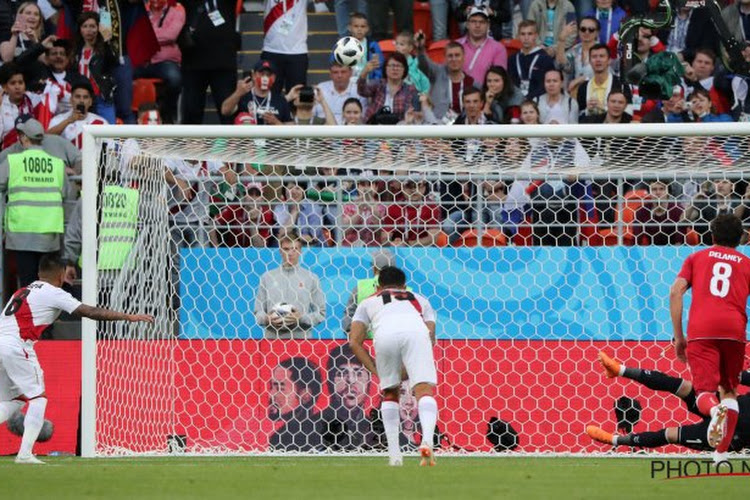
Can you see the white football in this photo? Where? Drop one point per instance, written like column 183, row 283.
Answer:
column 348, row 51
column 282, row 308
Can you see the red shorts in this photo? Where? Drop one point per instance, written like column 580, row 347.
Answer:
column 715, row 362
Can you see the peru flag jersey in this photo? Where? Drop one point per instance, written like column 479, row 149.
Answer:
column 74, row 131
column 33, row 308
column 394, row 311
column 720, row 280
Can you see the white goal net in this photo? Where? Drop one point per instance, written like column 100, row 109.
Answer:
column 538, row 246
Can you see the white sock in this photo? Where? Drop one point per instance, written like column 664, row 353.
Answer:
column 8, row 408
column 32, row 425
column 391, row 424
column 622, row 370
column 427, row 419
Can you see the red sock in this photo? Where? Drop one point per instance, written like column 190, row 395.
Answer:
column 705, row 401
column 732, row 416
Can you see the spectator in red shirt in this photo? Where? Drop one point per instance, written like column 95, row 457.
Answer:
column 248, row 224
column 655, row 223
column 412, row 220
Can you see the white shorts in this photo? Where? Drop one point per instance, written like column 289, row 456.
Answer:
column 412, row 350
column 20, row 372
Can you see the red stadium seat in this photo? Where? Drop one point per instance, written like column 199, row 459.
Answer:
column 144, row 90
column 490, row 238
column 387, row 46
column 436, row 51
column 441, row 240
column 511, row 45
column 692, row 237
column 422, row 20
column 524, row 237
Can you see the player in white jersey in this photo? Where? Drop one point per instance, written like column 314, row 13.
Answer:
column 403, row 326
column 26, row 315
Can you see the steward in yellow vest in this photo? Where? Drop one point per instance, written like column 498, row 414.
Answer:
column 366, row 287
column 37, row 186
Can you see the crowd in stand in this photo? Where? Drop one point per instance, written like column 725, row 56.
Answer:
column 69, row 63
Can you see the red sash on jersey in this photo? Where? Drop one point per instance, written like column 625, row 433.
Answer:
column 400, row 295
column 18, row 306
column 26, row 107
column 276, row 12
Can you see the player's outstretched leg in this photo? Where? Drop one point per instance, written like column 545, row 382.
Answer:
column 640, row 439
column 652, row 379
column 391, row 424
column 428, row 410
column 32, row 423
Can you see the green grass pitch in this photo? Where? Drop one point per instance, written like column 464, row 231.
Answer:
column 352, row 478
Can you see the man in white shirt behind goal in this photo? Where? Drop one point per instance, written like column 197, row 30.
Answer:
column 403, row 326
column 26, row 315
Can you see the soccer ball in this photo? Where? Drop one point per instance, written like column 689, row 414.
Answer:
column 15, row 426
column 282, row 308
column 348, row 51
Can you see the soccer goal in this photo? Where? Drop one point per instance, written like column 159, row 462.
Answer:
column 538, row 246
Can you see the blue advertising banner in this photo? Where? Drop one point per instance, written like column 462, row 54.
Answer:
column 575, row 293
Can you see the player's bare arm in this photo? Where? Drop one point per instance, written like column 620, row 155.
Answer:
column 676, row 294
column 102, row 314
column 431, row 328
column 356, row 340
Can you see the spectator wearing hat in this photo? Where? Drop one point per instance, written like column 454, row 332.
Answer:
column 498, row 11
column 254, row 96
column 336, row 91
column 34, row 217
column 392, row 92
column 367, row 286
column 211, row 58
column 528, row 66
column 285, row 42
column 481, row 51
column 70, row 125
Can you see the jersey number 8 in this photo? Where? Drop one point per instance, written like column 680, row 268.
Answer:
column 719, row 285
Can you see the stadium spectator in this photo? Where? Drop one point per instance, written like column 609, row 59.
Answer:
column 359, row 28
column 61, row 74
column 495, row 214
column 574, row 62
column 403, row 17
column 692, row 29
column 392, row 92
column 447, row 81
column 714, row 198
column 16, row 101
column 528, row 66
column 412, row 219
column 285, row 42
column 246, row 224
column 657, row 221
column 344, row 9
column 481, row 51
column 609, row 15
column 254, row 96
column 499, row 12
column 293, row 285
column 440, row 16
column 550, row 17
column 34, row 219
column 27, row 42
column 303, row 99
column 352, row 111
column 367, row 286
column 556, row 105
column 336, row 91
column 419, row 113
column 735, row 16
column 592, row 95
column 740, row 86
column 502, row 98
column 616, row 105
column 53, row 145
column 666, row 107
column 405, row 45
column 96, row 61
column 167, row 19
column 211, row 58
column 701, row 74
column 702, row 109
column 70, row 125
column 293, row 390
column 344, row 425
column 361, row 218
column 295, row 213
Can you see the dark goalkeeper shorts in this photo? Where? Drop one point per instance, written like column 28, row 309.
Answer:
column 695, row 437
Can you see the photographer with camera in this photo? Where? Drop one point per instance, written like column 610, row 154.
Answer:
column 254, row 100
column 70, row 125
column 303, row 99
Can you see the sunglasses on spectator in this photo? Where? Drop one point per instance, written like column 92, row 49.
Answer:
column 585, row 29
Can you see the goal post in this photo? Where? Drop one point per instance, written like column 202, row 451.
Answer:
column 529, row 241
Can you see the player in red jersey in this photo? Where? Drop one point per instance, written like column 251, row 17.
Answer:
column 715, row 347
column 28, row 313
